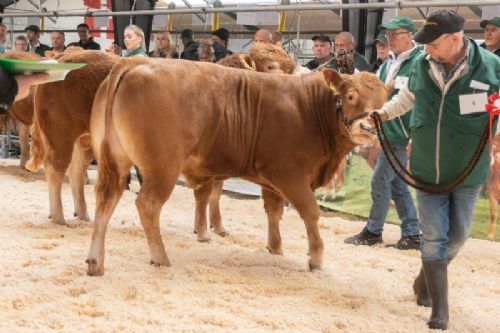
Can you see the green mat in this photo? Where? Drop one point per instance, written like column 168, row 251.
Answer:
column 354, row 199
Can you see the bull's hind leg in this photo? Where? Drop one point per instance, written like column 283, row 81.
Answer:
column 109, row 189
column 202, row 196
column 298, row 191
column 24, row 143
column 156, row 187
column 77, row 178
column 273, row 205
column 214, row 208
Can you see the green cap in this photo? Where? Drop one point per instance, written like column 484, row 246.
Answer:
column 381, row 38
column 399, row 22
column 495, row 21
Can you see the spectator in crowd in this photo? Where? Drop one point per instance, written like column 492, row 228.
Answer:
column 345, row 41
column 57, row 40
column 190, row 51
column 164, row 47
column 16, row 87
column 445, row 131
column 21, row 43
column 4, row 42
column 220, row 38
column 33, row 35
column 385, row 185
column 206, row 51
column 491, row 35
column 86, row 42
column 277, row 38
column 263, row 36
column 383, row 52
column 134, row 43
column 323, row 56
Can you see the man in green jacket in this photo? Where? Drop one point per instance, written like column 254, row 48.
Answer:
column 385, row 185
column 447, row 90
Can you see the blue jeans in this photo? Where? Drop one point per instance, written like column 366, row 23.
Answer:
column 446, row 221
column 386, row 185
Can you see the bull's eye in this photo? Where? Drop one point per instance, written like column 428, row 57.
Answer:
column 350, row 97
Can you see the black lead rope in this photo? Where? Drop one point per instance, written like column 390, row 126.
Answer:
column 430, row 188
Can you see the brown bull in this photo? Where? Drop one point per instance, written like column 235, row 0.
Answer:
column 237, row 127
column 62, row 114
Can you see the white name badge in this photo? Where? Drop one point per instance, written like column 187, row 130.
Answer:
column 479, row 85
column 400, row 82
column 473, row 103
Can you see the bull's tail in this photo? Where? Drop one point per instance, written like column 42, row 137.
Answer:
column 37, row 148
column 109, row 176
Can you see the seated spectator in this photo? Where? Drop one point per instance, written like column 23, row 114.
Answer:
column 491, row 35
column 220, row 39
column 164, row 47
column 345, row 41
column 21, row 43
column 57, row 39
column 263, row 36
column 86, row 42
column 134, row 42
column 4, row 42
column 206, row 51
column 190, row 51
column 323, row 57
column 383, row 49
column 33, row 35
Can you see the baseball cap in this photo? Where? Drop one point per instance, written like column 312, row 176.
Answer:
column 495, row 21
column 399, row 22
column 32, row 27
column 187, row 33
column 323, row 38
column 381, row 37
column 443, row 21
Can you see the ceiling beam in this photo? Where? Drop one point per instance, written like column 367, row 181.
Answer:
column 477, row 10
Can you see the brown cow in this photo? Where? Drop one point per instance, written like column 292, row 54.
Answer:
column 238, row 127
column 62, row 114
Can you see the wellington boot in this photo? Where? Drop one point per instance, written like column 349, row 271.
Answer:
column 436, row 278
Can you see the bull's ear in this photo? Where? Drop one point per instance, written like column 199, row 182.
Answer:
column 248, row 62
column 333, row 79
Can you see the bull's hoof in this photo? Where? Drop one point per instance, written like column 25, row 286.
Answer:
column 203, row 239
column 94, row 269
column 314, row 267
column 436, row 324
column 157, row 263
column 222, row 233
column 275, row 251
column 59, row 221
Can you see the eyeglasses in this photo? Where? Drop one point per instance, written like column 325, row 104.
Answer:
column 436, row 45
column 390, row 34
column 21, row 44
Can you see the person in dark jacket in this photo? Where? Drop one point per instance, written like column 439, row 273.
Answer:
column 164, row 47
column 220, row 39
column 491, row 35
column 323, row 53
column 86, row 42
column 383, row 53
column 190, row 51
column 33, row 34
column 345, row 41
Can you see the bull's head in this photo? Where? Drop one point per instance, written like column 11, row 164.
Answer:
column 360, row 94
column 271, row 58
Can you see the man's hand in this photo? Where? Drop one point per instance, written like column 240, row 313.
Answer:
column 24, row 82
column 371, row 119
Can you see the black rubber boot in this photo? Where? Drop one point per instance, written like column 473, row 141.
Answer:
column 436, row 278
column 420, row 289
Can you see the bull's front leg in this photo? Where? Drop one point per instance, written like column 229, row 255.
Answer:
column 202, row 195
column 296, row 188
column 24, row 143
column 273, row 205
column 77, row 178
column 55, row 178
column 493, row 214
column 214, row 209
